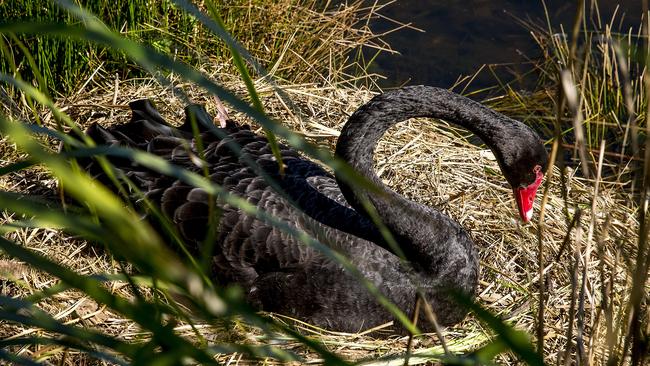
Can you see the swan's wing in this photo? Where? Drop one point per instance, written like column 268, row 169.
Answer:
column 245, row 246
column 279, row 271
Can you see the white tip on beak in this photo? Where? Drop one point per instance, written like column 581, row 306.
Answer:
column 529, row 214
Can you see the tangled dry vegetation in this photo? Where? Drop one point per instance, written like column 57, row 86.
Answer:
column 427, row 162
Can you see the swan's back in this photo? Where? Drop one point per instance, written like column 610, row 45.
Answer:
column 276, row 270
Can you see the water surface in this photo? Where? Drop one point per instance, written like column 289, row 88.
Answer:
column 461, row 36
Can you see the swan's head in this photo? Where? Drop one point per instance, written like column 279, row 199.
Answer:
column 525, row 171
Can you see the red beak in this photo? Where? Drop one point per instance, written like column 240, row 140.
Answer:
column 525, row 196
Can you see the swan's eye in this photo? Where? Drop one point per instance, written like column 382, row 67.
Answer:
column 536, row 177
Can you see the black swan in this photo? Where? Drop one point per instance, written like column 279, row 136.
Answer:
column 276, row 271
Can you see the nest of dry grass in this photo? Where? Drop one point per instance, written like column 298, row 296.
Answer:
column 429, row 162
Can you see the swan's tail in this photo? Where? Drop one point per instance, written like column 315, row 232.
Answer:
column 149, row 131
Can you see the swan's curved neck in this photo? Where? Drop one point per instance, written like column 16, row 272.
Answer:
column 427, row 236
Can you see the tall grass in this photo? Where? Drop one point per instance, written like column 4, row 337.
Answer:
column 303, row 41
column 65, row 64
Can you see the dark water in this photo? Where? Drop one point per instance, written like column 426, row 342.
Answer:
column 462, row 35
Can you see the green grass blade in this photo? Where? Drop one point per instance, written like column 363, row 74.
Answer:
column 15, row 167
column 141, row 312
column 14, row 359
column 517, row 341
column 26, row 313
column 67, row 342
column 245, row 75
column 42, row 98
column 42, row 85
column 148, row 58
